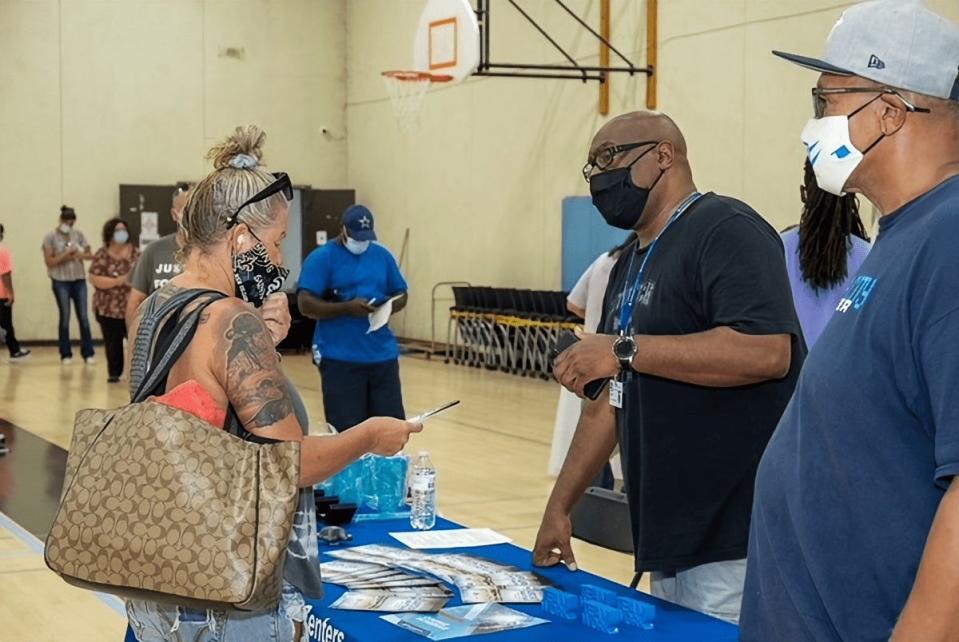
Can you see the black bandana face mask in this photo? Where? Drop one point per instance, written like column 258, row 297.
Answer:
column 256, row 276
column 617, row 198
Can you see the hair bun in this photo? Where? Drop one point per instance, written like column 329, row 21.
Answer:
column 243, row 149
column 243, row 161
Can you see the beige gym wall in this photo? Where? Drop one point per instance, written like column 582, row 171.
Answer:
column 102, row 92
column 480, row 185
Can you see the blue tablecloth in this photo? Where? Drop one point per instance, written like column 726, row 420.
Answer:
column 673, row 623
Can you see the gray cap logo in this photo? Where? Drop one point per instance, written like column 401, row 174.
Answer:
column 897, row 43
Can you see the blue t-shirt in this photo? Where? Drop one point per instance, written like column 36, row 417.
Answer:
column 332, row 272
column 849, row 485
column 815, row 307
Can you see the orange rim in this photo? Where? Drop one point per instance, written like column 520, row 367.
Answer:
column 416, row 76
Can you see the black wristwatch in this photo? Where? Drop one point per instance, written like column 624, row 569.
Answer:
column 624, row 349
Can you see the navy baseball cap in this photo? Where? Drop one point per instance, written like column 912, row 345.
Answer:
column 358, row 221
column 899, row 43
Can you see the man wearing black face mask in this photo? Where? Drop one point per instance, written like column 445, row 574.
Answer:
column 702, row 344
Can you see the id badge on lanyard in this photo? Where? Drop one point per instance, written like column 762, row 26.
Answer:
column 616, row 393
column 630, row 295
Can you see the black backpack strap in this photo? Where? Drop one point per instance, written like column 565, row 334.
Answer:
column 173, row 340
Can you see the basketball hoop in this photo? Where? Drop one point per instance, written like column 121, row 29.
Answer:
column 407, row 90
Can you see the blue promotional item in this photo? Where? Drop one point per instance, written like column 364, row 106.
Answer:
column 560, row 603
column 636, row 613
column 597, row 594
column 375, row 484
column 601, row 617
column 385, row 484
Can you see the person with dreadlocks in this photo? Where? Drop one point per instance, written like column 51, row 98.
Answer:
column 823, row 254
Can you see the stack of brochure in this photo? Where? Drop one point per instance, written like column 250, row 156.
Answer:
column 384, row 568
column 373, row 587
column 464, row 621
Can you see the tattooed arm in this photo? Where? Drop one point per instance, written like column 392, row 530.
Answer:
column 246, row 366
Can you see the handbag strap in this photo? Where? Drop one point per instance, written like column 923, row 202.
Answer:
column 173, row 339
column 155, row 313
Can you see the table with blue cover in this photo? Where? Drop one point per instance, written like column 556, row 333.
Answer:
column 673, row 623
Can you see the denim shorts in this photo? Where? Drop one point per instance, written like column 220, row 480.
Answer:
column 153, row 622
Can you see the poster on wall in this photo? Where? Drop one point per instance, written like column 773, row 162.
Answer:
column 149, row 227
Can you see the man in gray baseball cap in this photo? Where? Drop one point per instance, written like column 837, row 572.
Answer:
column 855, row 526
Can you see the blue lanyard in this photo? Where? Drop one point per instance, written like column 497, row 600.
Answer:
column 629, row 297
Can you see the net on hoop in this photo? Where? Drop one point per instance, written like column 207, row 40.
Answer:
column 407, row 90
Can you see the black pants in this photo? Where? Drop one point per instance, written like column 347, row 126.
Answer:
column 114, row 332
column 6, row 322
column 353, row 392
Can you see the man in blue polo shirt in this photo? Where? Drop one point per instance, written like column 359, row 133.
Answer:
column 855, row 527
column 341, row 283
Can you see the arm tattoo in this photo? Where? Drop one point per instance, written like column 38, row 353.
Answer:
column 273, row 411
column 255, row 387
column 167, row 292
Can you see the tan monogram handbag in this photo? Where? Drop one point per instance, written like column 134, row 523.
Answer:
column 157, row 505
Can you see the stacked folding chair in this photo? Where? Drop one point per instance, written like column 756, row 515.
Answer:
column 506, row 329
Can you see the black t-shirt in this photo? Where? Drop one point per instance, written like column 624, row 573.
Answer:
column 690, row 452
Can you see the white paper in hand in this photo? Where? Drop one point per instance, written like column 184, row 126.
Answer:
column 381, row 315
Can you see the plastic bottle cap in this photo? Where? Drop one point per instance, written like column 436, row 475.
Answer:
column 423, row 453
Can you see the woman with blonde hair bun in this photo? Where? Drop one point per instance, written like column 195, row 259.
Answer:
column 230, row 238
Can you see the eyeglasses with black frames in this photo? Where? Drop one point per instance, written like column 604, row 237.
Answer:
column 605, row 156
column 819, row 97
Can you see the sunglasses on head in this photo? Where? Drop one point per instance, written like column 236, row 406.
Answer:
column 282, row 184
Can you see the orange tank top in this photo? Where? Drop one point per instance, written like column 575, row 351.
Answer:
column 193, row 398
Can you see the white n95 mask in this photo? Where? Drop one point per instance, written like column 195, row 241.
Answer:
column 831, row 153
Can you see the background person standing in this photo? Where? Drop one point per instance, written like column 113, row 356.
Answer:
column 158, row 264
column 64, row 251
column 823, row 254
column 341, row 283
column 6, row 303
column 585, row 300
column 109, row 275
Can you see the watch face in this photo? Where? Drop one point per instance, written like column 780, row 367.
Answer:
column 623, row 348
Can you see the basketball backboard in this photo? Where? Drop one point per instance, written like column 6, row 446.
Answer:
column 447, row 39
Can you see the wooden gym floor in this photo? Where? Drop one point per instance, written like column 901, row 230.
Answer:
column 490, row 452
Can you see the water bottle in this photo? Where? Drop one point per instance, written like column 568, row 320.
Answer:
column 423, row 486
